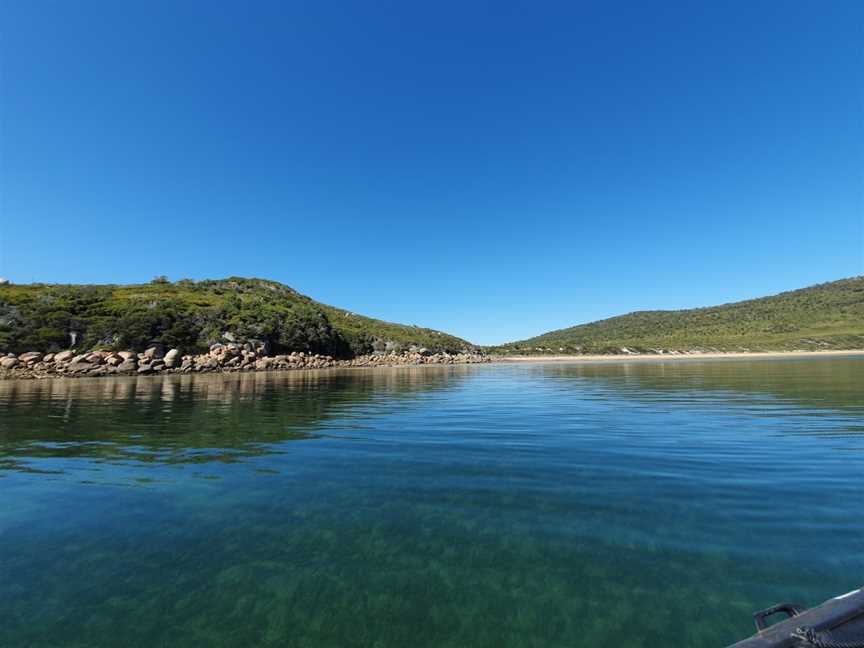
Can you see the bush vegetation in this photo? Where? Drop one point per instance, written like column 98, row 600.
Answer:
column 193, row 315
column 827, row 316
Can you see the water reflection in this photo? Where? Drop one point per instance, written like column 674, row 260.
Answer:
column 511, row 505
column 836, row 383
column 199, row 419
column 194, row 419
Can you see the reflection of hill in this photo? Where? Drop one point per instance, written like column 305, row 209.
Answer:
column 821, row 383
column 194, row 419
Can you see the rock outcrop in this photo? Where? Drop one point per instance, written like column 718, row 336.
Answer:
column 220, row 358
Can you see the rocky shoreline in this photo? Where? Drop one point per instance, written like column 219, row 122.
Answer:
column 222, row 358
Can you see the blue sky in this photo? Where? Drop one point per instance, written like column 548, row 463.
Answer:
column 491, row 169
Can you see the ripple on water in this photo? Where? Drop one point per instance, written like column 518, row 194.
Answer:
column 507, row 505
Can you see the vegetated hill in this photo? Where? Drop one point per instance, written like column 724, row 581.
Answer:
column 826, row 316
column 191, row 315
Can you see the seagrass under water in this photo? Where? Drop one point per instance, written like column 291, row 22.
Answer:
column 630, row 504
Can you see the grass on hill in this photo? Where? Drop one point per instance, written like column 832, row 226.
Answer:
column 826, row 316
column 191, row 315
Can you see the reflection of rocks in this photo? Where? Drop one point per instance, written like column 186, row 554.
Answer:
column 228, row 387
column 220, row 358
column 142, row 406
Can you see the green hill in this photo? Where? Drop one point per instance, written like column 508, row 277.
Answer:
column 827, row 316
column 192, row 315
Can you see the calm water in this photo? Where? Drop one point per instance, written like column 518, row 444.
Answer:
column 619, row 505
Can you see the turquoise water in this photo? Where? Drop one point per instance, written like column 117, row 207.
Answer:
column 628, row 504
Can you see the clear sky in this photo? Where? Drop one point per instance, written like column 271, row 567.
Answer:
column 493, row 169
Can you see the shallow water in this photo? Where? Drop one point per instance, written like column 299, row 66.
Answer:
column 629, row 504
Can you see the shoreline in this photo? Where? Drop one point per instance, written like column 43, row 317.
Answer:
column 311, row 362
column 222, row 359
column 676, row 357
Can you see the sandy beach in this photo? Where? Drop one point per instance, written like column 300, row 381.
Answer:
column 668, row 357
